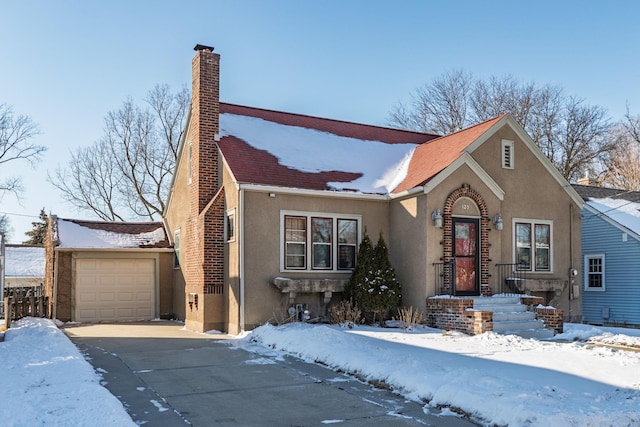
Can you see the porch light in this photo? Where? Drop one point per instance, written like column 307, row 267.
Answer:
column 436, row 216
column 497, row 222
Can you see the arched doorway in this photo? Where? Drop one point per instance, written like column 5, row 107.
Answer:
column 466, row 238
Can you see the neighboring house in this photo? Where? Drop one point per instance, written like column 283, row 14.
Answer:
column 24, row 266
column 267, row 209
column 610, row 254
column 108, row 271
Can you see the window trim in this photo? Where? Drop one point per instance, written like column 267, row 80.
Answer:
column 176, row 245
column 514, row 241
column 309, row 244
column 507, row 144
column 586, row 286
column 230, row 214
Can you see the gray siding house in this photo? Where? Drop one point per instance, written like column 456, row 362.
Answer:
column 610, row 256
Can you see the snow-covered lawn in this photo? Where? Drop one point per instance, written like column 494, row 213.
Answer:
column 496, row 379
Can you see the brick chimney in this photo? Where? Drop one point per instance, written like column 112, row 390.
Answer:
column 205, row 127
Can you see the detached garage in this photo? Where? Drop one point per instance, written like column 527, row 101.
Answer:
column 109, row 271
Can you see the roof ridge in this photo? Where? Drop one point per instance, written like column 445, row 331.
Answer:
column 484, row 122
column 331, row 120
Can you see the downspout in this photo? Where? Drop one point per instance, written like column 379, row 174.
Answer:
column 570, row 259
column 241, row 261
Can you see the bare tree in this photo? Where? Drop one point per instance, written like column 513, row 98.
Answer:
column 621, row 167
column 569, row 132
column 16, row 131
column 439, row 107
column 5, row 226
column 127, row 173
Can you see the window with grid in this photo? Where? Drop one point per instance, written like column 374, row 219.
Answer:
column 533, row 245
column 295, row 242
column 594, row 272
column 331, row 243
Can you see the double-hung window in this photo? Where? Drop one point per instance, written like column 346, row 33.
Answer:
column 594, row 272
column 533, row 250
column 319, row 241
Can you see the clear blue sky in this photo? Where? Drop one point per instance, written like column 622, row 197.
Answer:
column 67, row 63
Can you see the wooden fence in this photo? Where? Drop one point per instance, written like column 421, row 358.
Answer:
column 24, row 301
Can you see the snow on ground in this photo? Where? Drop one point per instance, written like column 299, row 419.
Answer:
column 45, row 380
column 496, row 379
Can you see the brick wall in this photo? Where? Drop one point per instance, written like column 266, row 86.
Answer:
column 457, row 314
column 485, row 222
column 553, row 318
column 203, row 239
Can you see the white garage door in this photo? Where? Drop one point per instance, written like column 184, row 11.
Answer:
column 119, row 290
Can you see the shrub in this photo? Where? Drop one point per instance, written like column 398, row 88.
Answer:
column 345, row 313
column 373, row 285
column 409, row 317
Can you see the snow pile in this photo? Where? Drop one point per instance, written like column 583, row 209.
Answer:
column 496, row 379
column 73, row 235
column 24, row 261
column 622, row 211
column 46, row 381
column 383, row 166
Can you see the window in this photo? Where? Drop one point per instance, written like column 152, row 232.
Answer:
column 321, row 229
column 347, row 243
column 176, row 249
column 295, row 242
column 533, row 245
column 507, row 154
column 318, row 241
column 230, row 226
column 594, row 272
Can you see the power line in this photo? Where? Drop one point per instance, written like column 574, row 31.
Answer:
column 17, row 214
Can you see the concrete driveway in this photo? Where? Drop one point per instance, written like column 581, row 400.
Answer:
column 167, row 376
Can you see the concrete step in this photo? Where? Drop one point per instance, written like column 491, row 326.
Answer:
column 500, row 308
column 515, row 325
column 496, row 300
column 539, row 334
column 506, row 316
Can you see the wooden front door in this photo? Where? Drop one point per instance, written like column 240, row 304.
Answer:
column 466, row 252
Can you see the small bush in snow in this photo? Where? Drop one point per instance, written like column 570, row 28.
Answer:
column 409, row 317
column 345, row 313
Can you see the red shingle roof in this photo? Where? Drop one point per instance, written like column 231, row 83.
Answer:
column 434, row 156
column 336, row 127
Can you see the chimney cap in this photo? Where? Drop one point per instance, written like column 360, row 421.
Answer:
column 203, row 47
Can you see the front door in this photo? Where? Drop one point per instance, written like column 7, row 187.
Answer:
column 466, row 255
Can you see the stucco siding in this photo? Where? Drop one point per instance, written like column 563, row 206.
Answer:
column 621, row 295
column 262, row 248
column 531, row 192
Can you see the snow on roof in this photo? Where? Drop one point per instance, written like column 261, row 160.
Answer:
column 381, row 166
column 73, row 235
column 24, row 261
column 622, row 211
